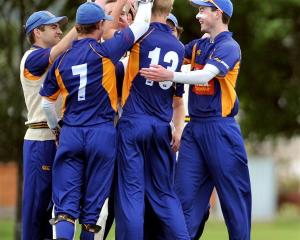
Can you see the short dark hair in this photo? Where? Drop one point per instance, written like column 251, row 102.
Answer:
column 225, row 17
column 31, row 36
column 86, row 28
column 179, row 31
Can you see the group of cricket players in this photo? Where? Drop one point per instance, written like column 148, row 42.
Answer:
column 106, row 139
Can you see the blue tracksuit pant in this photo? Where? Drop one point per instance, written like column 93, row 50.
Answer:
column 146, row 165
column 212, row 154
column 38, row 157
column 82, row 173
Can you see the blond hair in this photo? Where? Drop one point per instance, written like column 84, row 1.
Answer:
column 162, row 7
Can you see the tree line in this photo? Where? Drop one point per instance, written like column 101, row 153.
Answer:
column 268, row 85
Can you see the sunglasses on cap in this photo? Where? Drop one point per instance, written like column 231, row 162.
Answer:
column 213, row 2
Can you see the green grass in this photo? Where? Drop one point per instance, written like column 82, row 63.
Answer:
column 280, row 229
column 283, row 228
column 6, row 229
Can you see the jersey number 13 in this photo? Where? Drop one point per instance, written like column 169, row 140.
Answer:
column 170, row 57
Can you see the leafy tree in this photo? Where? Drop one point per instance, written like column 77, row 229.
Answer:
column 13, row 15
column 268, row 85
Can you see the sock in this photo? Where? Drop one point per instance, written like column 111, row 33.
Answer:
column 87, row 235
column 65, row 230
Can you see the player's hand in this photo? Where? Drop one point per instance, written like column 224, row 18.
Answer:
column 175, row 143
column 157, row 73
column 56, row 133
column 132, row 7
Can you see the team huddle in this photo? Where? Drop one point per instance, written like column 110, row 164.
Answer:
column 106, row 119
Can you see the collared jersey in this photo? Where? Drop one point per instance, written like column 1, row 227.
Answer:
column 33, row 69
column 218, row 98
column 85, row 76
column 142, row 96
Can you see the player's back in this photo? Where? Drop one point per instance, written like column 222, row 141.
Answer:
column 86, row 79
column 141, row 96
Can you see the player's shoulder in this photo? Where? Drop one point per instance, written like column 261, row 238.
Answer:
column 197, row 42
column 230, row 46
column 36, row 60
column 34, row 53
column 89, row 47
column 63, row 59
column 227, row 40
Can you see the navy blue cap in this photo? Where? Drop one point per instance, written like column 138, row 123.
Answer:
column 224, row 5
column 43, row 18
column 173, row 19
column 89, row 13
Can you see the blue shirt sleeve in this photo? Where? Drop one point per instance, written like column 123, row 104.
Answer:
column 50, row 87
column 120, row 72
column 37, row 62
column 117, row 46
column 225, row 57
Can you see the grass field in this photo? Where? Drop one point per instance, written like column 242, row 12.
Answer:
column 283, row 228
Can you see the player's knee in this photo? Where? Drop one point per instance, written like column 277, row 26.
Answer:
column 62, row 217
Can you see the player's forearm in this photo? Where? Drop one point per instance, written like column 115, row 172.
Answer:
column 142, row 20
column 49, row 109
column 110, row 27
column 63, row 44
column 178, row 114
column 196, row 77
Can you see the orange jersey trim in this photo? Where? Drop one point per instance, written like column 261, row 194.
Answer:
column 228, row 84
column 63, row 90
column 54, row 96
column 30, row 76
column 109, row 82
column 131, row 72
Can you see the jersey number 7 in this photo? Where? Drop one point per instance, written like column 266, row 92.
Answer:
column 81, row 70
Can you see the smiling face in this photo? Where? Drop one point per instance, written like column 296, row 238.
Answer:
column 205, row 18
column 49, row 35
column 209, row 18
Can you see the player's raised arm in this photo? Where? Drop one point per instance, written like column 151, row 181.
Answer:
column 63, row 45
column 142, row 19
column 123, row 40
column 110, row 27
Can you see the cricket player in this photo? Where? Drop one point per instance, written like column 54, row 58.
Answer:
column 212, row 152
column 44, row 34
column 145, row 157
column 85, row 76
column 120, row 22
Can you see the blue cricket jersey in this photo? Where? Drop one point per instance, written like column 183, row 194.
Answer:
column 142, row 96
column 85, row 76
column 218, row 98
column 37, row 63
